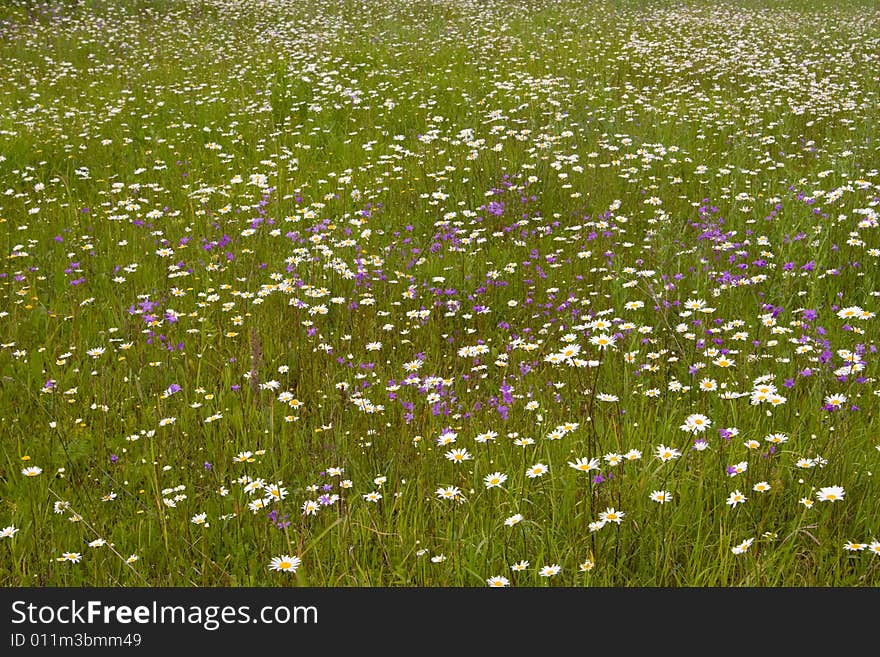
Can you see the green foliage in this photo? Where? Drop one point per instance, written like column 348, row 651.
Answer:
column 217, row 210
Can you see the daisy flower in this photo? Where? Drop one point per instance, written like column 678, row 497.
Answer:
column 446, row 438
column 613, row 458
column 708, row 385
column 611, row 515
column 256, row 484
column 850, row 312
column 661, row 496
column 742, row 547
column 285, row 563
column 696, row 423
column 450, row 493
column 550, row 571
column 602, row 341
column 495, row 479
column 516, row 518
column 458, row 455
column 830, row 494
column 736, row 497
column 8, row 532
column 537, row 470
column 275, row 492
column 498, row 581
column 665, row 453
column 584, row 464
column 834, row 402
column 486, row 436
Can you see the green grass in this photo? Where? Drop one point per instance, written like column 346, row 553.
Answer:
column 237, row 200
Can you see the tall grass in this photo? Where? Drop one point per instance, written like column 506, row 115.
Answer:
column 250, row 243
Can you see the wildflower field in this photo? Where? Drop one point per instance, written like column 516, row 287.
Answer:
column 439, row 293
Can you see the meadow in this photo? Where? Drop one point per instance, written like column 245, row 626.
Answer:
column 447, row 293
